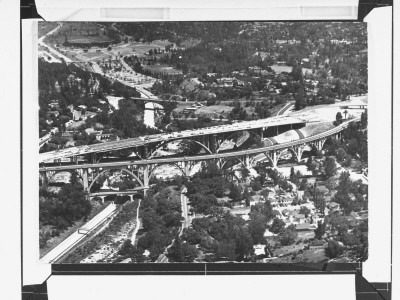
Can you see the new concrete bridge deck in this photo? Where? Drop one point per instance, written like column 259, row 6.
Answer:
column 163, row 137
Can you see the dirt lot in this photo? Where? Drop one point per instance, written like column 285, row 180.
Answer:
column 280, row 69
column 327, row 112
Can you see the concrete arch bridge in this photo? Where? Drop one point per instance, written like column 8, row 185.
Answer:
column 141, row 171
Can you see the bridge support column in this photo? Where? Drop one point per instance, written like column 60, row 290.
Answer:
column 43, row 179
column 247, row 161
column 102, row 198
column 131, row 198
column 185, row 167
column 93, row 157
column 320, row 144
column 85, row 178
column 274, row 159
column 143, row 151
column 145, row 179
column 299, row 153
column 206, row 141
column 213, row 143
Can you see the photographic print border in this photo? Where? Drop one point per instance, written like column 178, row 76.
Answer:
column 362, row 285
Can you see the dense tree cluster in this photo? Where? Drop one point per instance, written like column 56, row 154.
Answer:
column 127, row 120
column 70, row 84
column 351, row 195
column 160, row 213
column 208, row 184
column 238, row 112
column 61, row 210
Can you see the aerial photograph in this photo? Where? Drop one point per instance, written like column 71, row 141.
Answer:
column 202, row 142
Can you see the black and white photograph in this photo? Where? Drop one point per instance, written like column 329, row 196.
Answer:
column 203, row 142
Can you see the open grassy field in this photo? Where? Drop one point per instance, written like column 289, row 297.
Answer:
column 137, row 48
column 79, row 32
column 162, row 69
column 189, row 43
column 92, row 55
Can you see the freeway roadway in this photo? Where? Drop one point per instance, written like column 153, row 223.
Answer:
column 144, row 140
column 76, row 237
column 205, row 156
column 284, row 109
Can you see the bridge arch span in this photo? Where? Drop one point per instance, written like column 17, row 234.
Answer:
column 121, row 169
column 308, row 147
column 152, row 173
column 170, row 141
column 68, row 171
column 251, row 132
column 286, row 150
column 223, row 163
column 254, row 160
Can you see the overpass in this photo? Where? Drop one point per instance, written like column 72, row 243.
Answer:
column 155, row 100
column 142, row 170
column 209, row 138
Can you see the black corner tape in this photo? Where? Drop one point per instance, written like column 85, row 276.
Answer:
column 35, row 292
column 366, row 6
column 29, row 11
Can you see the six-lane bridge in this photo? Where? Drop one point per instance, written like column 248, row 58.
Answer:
column 142, row 170
column 210, row 139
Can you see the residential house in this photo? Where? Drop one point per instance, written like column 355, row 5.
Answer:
column 305, row 227
column 297, row 218
column 105, row 136
column 317, row 244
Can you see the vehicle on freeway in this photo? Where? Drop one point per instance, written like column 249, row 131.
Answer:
column 83, row 231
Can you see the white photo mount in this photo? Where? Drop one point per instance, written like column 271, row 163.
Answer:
column 377, row 268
